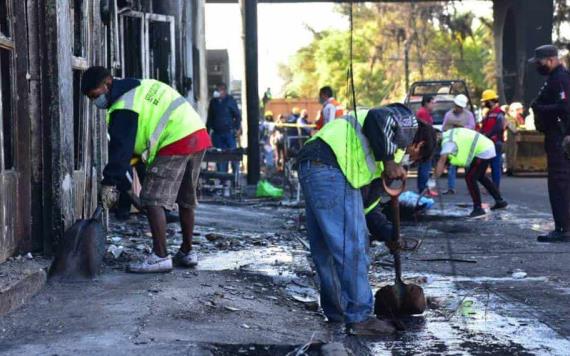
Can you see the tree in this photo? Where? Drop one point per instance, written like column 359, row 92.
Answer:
column 437, row 41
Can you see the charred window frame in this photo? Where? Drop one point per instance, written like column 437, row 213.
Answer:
column 7, row 88
column 147, row 46
column 160, row 48
column 81, row 109
column 131, row 39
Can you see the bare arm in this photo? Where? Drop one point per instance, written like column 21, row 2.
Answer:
column 440, row 166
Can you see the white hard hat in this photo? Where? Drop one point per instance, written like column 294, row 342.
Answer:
column 460, row 100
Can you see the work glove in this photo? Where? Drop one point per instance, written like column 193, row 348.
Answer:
column 109, row 196
column 431, row 184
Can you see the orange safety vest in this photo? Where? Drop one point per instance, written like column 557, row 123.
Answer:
column 338, row 113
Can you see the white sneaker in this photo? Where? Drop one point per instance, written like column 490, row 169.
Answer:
column 186, row 260
column 151, row 264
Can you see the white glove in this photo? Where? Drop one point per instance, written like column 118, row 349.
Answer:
column 109, row 196
column 431, row 183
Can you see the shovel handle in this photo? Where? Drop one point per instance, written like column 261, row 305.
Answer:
column 394, row 192
column 97, row 213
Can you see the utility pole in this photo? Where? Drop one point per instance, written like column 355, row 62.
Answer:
column 249, row 11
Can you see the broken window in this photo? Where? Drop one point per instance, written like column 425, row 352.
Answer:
column 7, row 94
column 79, row 120
column 147, row 46
column 5, row 18
column 132, row 45
column 160, row 44
column 79, row 17
column 78, row 26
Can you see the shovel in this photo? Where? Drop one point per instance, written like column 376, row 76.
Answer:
column 80, row 252
column 398, row 299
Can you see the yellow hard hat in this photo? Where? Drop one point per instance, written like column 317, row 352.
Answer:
column 268, row 113
column 489, row 94
column 296, row 111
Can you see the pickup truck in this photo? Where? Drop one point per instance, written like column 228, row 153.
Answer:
column 443, row 92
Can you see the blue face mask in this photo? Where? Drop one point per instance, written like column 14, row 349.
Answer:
column 101, row 101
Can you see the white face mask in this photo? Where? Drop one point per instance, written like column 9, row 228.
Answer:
column 216, row 94
column 101, row 101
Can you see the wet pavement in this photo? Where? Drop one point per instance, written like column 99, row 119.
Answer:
column 491, row 288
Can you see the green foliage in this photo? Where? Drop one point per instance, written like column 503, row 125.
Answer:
column 440, row 43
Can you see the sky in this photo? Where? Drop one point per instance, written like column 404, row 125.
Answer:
column 282, row 30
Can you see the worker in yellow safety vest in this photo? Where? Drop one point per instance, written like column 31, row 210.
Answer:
column 348, row 154
column 473, row 151
column 150, row 120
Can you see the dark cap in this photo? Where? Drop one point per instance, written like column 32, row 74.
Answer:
column 542, row 52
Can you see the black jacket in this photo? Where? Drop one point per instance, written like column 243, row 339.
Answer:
column 552, row 103
column 122, row 135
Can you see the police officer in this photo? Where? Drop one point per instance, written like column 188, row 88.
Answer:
column 552, row 117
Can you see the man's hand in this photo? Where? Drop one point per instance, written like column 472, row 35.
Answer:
column 393, row 171
column 109, row 196
column 431, row 183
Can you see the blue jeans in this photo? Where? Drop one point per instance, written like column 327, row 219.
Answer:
column 497, row 164
column 451, row 176
column 225, row 141
column 424, row 169
column 339, row 241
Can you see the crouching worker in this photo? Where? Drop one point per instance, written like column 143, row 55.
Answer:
column 474, row 151
column 343, row 157
column 151, row 120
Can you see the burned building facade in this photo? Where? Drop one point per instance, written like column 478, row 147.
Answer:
column 52, row 141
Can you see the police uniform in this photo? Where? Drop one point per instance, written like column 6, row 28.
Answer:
column 552, row 117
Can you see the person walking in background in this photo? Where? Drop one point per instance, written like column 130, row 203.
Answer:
column 552, row 117
column 224, row 123
column 424, row 167
column 493, row 126
column 331, row 110
column 457, row 117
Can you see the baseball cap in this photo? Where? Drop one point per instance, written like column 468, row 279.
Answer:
column 542, row 52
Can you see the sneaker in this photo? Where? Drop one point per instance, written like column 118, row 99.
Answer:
column 555, row 236
column 477, row 212
column 432, row 193
column 449, row 192
column 370, row 327
column 189, row 259
column 151, row 264
column 500, row 204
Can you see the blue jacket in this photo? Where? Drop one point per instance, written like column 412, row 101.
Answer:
column 223, row 115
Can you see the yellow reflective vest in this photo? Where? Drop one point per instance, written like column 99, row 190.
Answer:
column 164, row 117
column 469, row 144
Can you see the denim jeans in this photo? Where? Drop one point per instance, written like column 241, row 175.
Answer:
column 451, row 176
column 339, row 242
column 424, row 169
column 497, row 164
column 225, row 141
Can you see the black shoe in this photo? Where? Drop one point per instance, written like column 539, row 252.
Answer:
column 371, row 327
column 449, row 192
column 477, row 212
column 555, row 236
column 500, row 204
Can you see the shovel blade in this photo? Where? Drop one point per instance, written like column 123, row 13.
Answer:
column 80, row 252
column 394, row 300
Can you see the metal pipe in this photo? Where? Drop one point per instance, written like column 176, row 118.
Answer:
column 249, row 11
